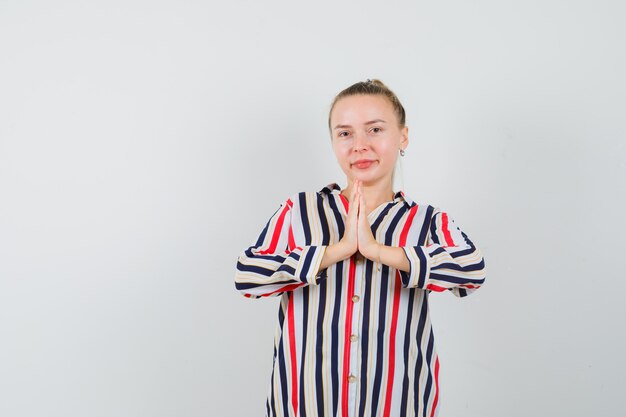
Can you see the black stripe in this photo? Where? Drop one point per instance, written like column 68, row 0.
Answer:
column 437, row 251
column 456, row 267
column 467, row 251
column 305, row 218
column 425, row 224
column 323, row 221
column 392, row 225
column 319, row 348
column 335, row 336
column 337, row 215
column 455, row 280
column 429, row 380
column 322, row 293
column 433, row 229
column 288, row 269
column 266, row 272
column 306, row 266
column 281, row 358
column 420, row 356
column 407, row 343
column 334, row 341
column 364, row 337
column 246, row 285
column 380, row 217
column 421, row 278
column 278, row 258
column 461, row 253
column 305, row 320
column 384, row 287
column 380, row 336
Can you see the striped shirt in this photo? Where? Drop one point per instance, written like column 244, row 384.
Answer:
column 355, row 339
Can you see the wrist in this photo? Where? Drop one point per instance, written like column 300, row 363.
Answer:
column 372, row 252
column 343, row 250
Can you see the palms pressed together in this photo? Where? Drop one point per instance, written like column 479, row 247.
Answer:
column 358, row 235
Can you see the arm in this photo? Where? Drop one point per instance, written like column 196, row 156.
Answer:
column 275, row 264
column 449, row 261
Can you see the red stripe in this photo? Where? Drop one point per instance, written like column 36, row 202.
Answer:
column 344, row 200
column 277, row 229
column 288, row 287
column 394, row 317
column 432, row 412
column 446, row 232
column 348, row 332
column 434, row 287
column 407, row 226
column 292, row 241
column 392, row 344
column 292, row 353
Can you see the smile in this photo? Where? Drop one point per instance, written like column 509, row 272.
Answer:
column 363, row 163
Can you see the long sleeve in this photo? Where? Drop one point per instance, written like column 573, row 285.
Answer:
column 275, row 264
column 448, row 261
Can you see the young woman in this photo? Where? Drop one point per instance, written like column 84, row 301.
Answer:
column 354, row 268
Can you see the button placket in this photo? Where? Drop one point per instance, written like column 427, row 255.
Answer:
column 354, row 376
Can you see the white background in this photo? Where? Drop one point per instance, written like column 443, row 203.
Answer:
column 144, row 144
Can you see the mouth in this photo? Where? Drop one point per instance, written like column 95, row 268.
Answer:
column 363, row 163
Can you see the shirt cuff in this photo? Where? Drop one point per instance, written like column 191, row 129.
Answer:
column 308, row 266
column 419, row 268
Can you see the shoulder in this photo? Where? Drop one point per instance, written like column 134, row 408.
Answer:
column 310, row 197
column 421, row 206
column 300, row 198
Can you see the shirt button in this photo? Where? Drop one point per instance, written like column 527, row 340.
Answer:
column 354, row 338
column 352, row 379
column 356, row 298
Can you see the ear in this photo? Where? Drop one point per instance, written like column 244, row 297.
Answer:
column 404, row 142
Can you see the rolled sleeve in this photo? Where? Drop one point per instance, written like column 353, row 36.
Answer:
column 419, row 268
column 307, row 270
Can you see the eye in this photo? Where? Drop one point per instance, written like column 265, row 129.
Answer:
column 343, row 134
column 376, row 129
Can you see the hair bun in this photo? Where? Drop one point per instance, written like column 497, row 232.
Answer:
column 376, row 81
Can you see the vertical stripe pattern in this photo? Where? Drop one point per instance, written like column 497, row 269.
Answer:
column 355, row 339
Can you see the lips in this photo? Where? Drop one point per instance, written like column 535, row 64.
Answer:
column 363, row 163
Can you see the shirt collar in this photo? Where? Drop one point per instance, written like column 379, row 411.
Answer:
column 334, row 188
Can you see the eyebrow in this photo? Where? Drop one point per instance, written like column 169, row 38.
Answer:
column 371, row 122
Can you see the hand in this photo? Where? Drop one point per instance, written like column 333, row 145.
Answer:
column 357, row 235
column 349, row 241
column 366, row 243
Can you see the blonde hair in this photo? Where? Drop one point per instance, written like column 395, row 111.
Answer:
column 372, row 87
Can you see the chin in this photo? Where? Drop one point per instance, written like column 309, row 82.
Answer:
column 366, row 179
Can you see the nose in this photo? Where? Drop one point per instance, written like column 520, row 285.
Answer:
column 359, row 143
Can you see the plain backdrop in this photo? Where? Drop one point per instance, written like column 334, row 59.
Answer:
column 144, row 144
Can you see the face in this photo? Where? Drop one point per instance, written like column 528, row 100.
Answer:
column 366, row 138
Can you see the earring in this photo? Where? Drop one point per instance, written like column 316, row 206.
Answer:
column 401, row 152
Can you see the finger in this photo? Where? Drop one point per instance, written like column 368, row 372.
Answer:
column 354, row 207
column 362, row 208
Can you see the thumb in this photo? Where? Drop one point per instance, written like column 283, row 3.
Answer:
column 362, row 211
column 354, row 203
